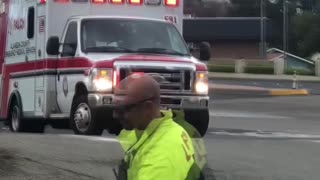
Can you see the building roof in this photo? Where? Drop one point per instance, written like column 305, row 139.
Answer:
column 224, row 28
column 280, row 53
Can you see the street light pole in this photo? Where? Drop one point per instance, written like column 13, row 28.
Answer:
column 285, row 9
column 262, row 29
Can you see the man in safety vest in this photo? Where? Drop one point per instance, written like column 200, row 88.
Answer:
column 157, row 148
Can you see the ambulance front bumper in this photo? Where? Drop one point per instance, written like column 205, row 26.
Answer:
column 167, row 101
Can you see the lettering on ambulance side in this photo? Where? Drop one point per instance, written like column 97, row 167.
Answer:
column 15, row 25
column 20, row 48
column 42, row 24
column 172, row 19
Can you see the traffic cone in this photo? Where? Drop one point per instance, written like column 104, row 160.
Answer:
column 294, row 82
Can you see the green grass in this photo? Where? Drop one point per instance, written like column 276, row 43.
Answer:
column 255, row 69
column 219, row 68
column 300, row 72
column 259, row 70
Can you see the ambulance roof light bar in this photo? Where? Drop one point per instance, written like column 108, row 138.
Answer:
column 117, row 1
column 42, row 1
column 171, row 3
column 135, row 2
column 99, row 1
column 61, row 1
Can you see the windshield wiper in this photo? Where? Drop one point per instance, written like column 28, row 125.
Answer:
column 107, row 49
column 160, row 51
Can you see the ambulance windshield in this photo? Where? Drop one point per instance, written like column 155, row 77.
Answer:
column 131, row 36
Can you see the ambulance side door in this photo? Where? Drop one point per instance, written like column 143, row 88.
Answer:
column 26, row 85
column 40, row 56
column 66, row 77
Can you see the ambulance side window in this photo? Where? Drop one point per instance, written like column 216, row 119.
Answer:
column 70, row 40
column 30, row 30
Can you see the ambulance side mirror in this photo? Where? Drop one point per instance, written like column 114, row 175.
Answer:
column 205, row 51
column 53, row 45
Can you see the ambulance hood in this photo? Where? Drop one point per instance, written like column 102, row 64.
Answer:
column 97, row 57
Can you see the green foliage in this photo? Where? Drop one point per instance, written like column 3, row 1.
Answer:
column 245, row 8
column 299, row 72
column 259, row 70
column 218, row 68
column 307, row 33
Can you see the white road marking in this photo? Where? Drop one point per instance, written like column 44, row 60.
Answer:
column 91, row 138
column 270, row 135
column 232, row 114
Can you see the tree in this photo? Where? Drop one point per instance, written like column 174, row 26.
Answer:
column 245, row 8
column 307, row 33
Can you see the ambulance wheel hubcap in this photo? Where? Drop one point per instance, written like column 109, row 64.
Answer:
column 15, row 118
column 82, row 117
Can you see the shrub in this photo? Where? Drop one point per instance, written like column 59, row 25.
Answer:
column 218, row 68
column 300, row 72
column 259, row 70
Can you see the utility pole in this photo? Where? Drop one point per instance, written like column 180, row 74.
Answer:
column 285, row 25
column 262, row 29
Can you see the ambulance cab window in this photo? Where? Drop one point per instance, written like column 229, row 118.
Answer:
column 70, row 41
column 30, row 30
column 131, row 36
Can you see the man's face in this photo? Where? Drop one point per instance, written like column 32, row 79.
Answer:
column 130, row 115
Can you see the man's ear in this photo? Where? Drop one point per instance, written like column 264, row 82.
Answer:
column 148, row 104
column 149, row 108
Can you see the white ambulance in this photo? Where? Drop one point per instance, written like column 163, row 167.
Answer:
column 61, row 59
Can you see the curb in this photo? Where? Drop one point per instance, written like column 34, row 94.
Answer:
column 234, row 76
column 289, row 92
column 259, row 91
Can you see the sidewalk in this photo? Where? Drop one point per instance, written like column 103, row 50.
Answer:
column 213, row 75
column 255, row 91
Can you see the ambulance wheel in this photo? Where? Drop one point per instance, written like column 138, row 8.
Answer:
column 199, row 119
column 83, row 120
column 18, row 124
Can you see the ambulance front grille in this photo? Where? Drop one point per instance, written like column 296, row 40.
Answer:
column 171, row 81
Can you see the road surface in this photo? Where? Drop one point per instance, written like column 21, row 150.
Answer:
column 312, row 86
column 249, row 138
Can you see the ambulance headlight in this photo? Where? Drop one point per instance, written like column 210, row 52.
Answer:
column 201, row 83
column 101, row 79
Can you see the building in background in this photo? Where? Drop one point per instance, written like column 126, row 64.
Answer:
column 311, row 5
column 230, row 37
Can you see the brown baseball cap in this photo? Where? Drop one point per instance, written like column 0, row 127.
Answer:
column 136, row 88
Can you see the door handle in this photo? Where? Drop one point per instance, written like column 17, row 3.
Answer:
column 58, row 74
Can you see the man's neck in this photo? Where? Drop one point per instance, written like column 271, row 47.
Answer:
column 145, row 125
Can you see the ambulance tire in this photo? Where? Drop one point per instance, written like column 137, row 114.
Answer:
column 19, row 124
column 199, row 119
column 95, row 126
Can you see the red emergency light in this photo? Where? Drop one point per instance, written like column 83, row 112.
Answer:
column 135, row 2
column 42, row 1
column 172, row 3
column 117, row 1
column 115, row 78
column 98, row 1
column 61, row 1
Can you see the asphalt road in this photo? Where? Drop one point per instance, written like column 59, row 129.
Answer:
column 249, row 138
column 313, row 87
